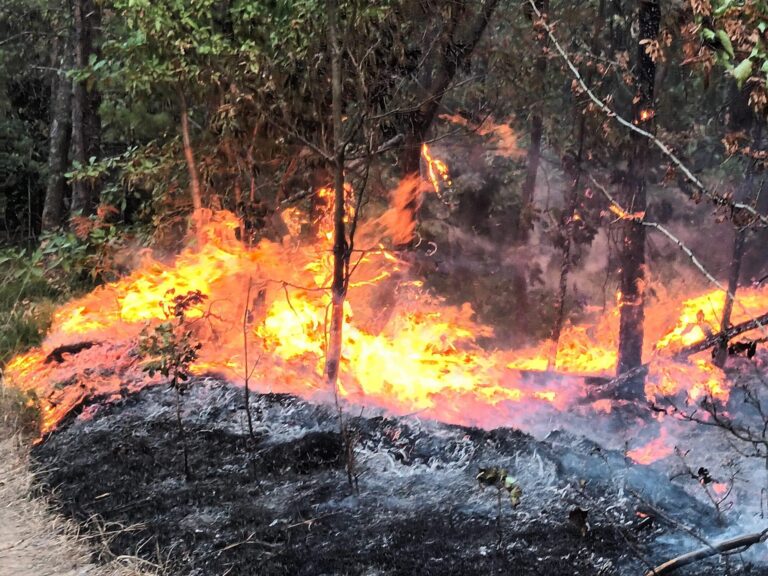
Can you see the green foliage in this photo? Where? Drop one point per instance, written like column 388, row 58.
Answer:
column 27, row 29
column 736, row 33
column 26, row 302
column 74, row 261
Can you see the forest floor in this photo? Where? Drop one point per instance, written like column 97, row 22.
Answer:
column 281, row 500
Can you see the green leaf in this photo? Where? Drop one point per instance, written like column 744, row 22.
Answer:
column 725, row 41
column 742, row 71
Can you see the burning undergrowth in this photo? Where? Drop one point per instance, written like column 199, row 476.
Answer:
column 404, row 350
column 261, row 315
column 281, row 502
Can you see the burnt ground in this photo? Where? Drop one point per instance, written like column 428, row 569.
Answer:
column 281, row 503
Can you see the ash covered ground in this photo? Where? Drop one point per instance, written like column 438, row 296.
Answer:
column 281, row 503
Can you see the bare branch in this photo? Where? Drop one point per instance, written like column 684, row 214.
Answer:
column 740, row 542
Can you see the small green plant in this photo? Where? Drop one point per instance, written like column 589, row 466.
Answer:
column 26, row 302
column 170, row 349
column 499, row 479
column 503, row 482
column 19, row 411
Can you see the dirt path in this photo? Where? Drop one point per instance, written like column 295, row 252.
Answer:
column 33, row 540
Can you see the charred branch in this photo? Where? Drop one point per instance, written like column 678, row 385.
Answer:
column 723, row 336
column 57, row 354
column 726, row 546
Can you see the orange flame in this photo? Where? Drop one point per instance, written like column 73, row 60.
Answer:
column 502, row 138
column 404, row 349
column 437, row 171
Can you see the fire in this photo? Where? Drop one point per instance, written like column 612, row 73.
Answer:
column 700, row 316
column 404, row 349
column 437, row 171
column 654, row 450
column 502, row 138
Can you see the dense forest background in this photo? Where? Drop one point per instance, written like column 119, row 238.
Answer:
column 120, row 118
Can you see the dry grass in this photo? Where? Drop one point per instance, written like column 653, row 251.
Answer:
column 34, row 540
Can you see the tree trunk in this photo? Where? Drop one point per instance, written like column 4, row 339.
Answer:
column 86, row 124
column 572, row 199
column 565, row 267
column 461, row 35
column 58, row 145
column 189, row 156
column 742, row 117
column 534, row 149
column 340, row 252
column 720, row 352
column 633, row 194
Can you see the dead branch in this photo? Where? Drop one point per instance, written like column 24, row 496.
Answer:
column 717, row 199
column 57, row 354
column 723, row 336
column 740, row 542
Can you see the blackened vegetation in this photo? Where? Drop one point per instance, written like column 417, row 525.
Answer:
column 282, row 505
column 57, row 354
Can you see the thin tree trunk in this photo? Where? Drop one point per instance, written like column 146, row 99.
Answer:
column 565, row 267
column 58, row 146
column 741, row 117
column 340, row 253
column 720, row 352
column 532, row 160
column 189, row 155
column 534, row 149
column 633, row 192
column 86, row 125
column 572, row 201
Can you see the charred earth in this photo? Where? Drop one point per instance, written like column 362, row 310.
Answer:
column 280, row 503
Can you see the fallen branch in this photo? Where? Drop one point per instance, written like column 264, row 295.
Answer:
column 723, row 547
column 725, row 335
column 57, row 354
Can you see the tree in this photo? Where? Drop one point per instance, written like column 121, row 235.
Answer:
column 633, row 194
column 340, row 244
column 58, row 151
column 458, row 32
column 536, row 125
column 86, row 124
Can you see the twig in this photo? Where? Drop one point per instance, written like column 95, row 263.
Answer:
column 246, row 312
column 624, row 215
